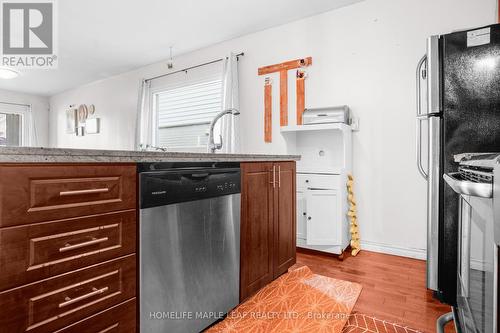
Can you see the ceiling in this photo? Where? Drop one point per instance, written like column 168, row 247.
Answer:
column 98, row 39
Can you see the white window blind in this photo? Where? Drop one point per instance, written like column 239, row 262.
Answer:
column 184, row 113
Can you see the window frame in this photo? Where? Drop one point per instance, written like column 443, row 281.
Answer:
column 154, row 104
column 25, row 130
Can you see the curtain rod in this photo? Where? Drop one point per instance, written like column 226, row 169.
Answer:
column 192, row 67
column 18, row 104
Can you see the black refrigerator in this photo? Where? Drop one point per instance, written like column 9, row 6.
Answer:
column 458, row 111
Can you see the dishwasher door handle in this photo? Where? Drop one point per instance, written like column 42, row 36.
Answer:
column 465, row 187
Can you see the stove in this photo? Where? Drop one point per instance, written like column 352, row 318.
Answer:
column 478, row 244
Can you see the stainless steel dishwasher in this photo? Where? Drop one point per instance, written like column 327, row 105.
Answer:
column 189, row 244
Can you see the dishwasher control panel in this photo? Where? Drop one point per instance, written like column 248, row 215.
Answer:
column 165, row 187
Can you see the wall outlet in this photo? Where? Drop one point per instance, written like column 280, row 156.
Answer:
column 355, row 124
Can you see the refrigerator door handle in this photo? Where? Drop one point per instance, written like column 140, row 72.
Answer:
column 420, row 74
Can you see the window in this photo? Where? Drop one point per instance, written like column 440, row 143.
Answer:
column 10, row 129
column 13, row 124
column 184, row 113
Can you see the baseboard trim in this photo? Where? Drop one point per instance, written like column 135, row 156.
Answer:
column 393, row 250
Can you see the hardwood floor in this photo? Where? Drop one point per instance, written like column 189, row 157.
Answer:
column 393, row 287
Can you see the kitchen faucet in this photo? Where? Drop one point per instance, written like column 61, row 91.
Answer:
column 212, row 146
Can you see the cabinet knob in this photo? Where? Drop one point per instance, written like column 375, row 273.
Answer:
column 304, row 213
column 307, row 180
column 309, row 218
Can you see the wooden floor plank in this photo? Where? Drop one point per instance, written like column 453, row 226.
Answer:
column 393, row 287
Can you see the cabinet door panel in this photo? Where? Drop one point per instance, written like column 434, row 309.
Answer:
column 33, row 252
column 57, row 302
column 284, row 218
column 256, row 227
column 322, row 224
column 301, row 214
column 31, row 193
column 118, row 319
column 328, row 182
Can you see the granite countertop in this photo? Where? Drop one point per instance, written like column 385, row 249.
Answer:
column 63, row 155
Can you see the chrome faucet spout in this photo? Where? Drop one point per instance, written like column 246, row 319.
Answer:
column 212, row 146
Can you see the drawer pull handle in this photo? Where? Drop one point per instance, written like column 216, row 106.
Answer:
column 69, row 301
column 80, row 192
column 274, row 176
column 279, row 175
column 69, row 247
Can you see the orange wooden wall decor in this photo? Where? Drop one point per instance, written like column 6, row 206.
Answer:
column 283, row 69
column 268, row 113
column 287, row 65
column 301, row 90
column 283, row 98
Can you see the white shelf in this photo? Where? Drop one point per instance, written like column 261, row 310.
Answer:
column 315, row 127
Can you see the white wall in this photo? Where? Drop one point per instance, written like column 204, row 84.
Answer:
column 40, row 109
column 364, row 55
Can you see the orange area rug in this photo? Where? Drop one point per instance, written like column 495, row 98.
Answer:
column 298, row 301
column 360, row 323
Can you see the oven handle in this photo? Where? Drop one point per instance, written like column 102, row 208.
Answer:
column 482, row 190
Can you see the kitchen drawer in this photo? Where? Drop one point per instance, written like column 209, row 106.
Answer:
column 118, row 319
column 60, row 301
column 307, row 180
column 37, row 251
column 36, row 193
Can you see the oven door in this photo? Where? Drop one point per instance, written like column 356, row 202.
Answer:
column 477, row 258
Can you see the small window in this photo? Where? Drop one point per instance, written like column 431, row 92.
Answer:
column 184, row 114
column 10, row 130
column 13, row 125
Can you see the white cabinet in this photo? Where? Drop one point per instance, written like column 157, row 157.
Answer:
column 321, row 184
column 322, row 217
column 313, row 180
column 322, row 222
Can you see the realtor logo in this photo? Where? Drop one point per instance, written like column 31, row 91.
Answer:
column 28, row 34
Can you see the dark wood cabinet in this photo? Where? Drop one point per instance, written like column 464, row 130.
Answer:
column 67, row 247
column 68, row 242
column 284, row 218
column 257, row 239
column 52, row 304
column 118, row 319
column 267, row 223
column 34, row 252
column 31, row 193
